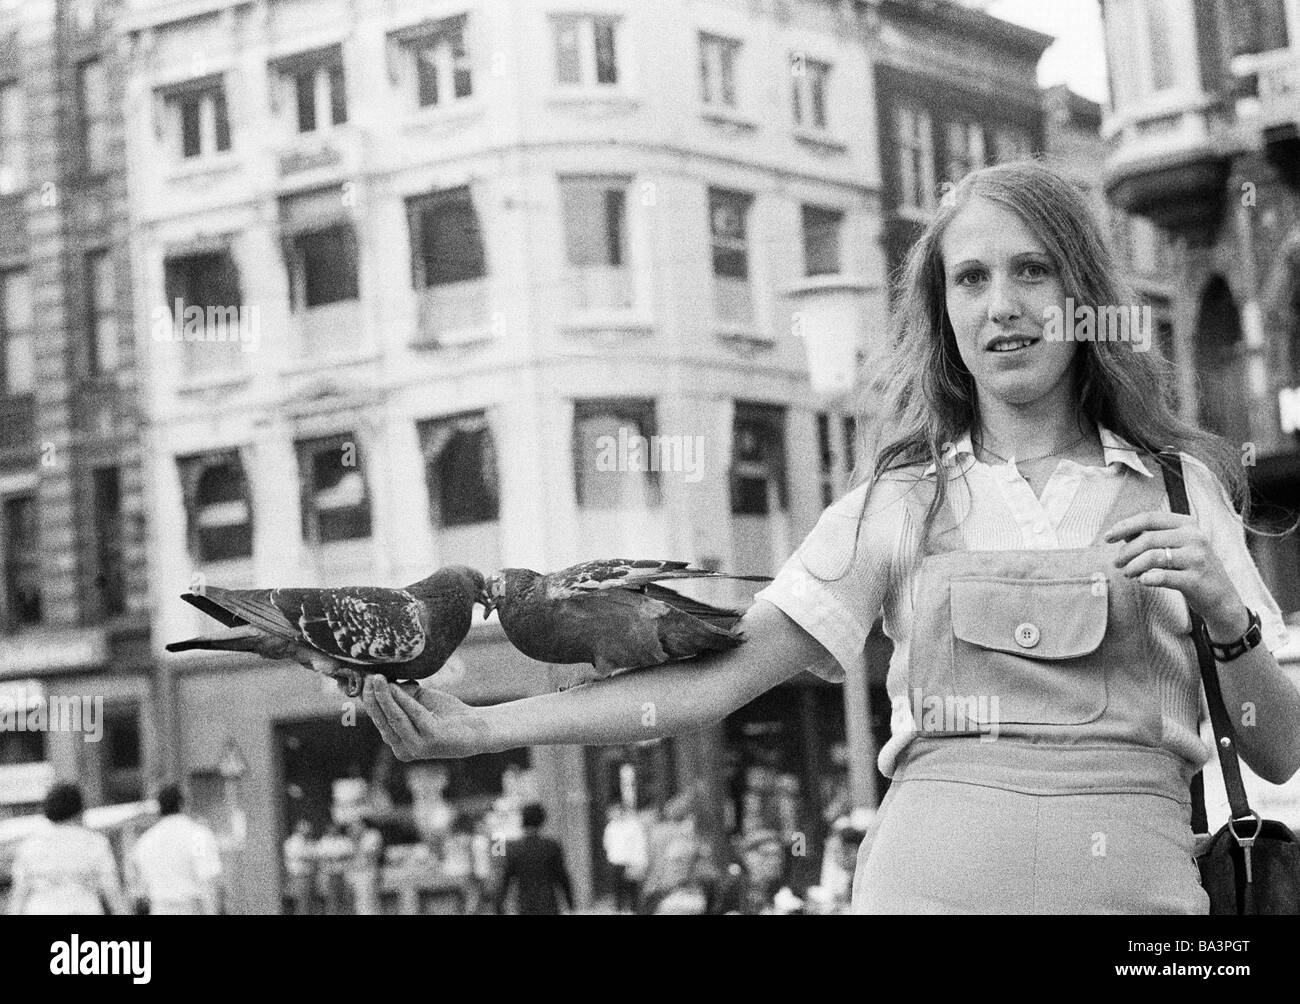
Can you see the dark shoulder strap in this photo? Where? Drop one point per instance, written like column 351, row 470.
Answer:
column 1224, row 739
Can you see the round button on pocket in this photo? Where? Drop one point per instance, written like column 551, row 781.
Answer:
column 1027, row 635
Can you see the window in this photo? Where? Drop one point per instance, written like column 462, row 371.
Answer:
column 965, row 149
column 821, row 240
column 335, row 501
column 101, row 312
column 613, row 468
column 1160, row 55
column 728, row 212
column 93, row 108
column 758, row 477
column 595, row 237
column 447, row 239
column 18, row 361
column 442, row 65
column 826, row 456
column 218, row 506
column 1012, row 144
column 718, row 70
column 585, row 50
column 22, row 565
column 323, row 266
column 13, row 138
column 850, row 443
column 460, row 469
column 198, row 115
column 208, row 280
column 110, row 574
column 727, row 217
column 21, row 747
column 809, row 90
column 316, row 83
column 1257, row 26
column 119, row 755
column 914, row 135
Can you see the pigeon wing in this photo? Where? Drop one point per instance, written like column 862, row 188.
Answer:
column 615, row 573
column 362, row 625
column 249, row 606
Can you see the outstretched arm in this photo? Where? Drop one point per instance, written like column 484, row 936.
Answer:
column 632, row 707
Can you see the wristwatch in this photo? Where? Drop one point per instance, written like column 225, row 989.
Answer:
column 1230, row 650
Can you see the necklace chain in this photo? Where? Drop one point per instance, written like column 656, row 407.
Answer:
column 1029, row 460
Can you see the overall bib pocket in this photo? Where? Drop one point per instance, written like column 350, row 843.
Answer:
column 1027, row 650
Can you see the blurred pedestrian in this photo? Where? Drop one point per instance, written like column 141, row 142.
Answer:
column 300, row 868
column 535, row 865
column 364, row 868
column 627, row 851
column 753, row 885
column 685, row 883
column 333, row 852
column 65, row 868
column 175, row 866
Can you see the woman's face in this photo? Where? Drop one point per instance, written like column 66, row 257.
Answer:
column 999, row 281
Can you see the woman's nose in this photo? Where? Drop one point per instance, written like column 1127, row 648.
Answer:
column 1003, row 305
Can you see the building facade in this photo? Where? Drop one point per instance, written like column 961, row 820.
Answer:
column 412, row 280
column 73, row 596
column 1204, row 143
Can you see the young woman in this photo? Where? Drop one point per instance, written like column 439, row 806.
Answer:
column 1016, row 535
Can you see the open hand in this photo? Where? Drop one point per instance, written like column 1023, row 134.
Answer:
column 429, row 725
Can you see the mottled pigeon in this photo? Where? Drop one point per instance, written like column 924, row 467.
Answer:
column 402, row 634
column 610, row 613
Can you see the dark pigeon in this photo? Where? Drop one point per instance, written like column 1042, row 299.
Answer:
column 610, row 613
column 401, row 634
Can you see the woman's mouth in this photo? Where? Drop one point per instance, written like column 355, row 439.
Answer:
column 1005, row 345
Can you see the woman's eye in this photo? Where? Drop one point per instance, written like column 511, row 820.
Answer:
column 1036, row 270
column 969, row 277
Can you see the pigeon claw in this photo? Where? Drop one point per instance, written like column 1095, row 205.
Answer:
column 354, row 679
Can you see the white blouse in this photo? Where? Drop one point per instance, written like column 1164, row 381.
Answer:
column 998, row 511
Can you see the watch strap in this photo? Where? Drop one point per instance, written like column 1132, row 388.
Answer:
column 1228, row 651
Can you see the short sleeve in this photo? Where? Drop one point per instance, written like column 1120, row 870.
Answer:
column 1213, row 510
column 835, row 582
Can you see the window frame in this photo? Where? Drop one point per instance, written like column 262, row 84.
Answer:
column 92, row 121
column 810, row 85
column 828, row 214
column 306, row 450
column 436, row 436
column 214, row 133
column 109, row 543
column 774, row 419
column 588, row 50
column 417, row 209
column 640, row 413
column 313, row 83
column 8, row 562
column 448, row 42
column 13, row 138
column 97, row 312
column 720, row 55
column 298, row 264
column 192, row 470
column 916, row 148
column 25, row 332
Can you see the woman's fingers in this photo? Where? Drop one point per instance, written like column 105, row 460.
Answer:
column 1152, row 542
column 1151, row 520
column 392, row 722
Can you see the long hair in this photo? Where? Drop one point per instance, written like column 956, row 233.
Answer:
column 927, row 398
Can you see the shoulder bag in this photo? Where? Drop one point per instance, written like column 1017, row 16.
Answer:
column 1252, row 865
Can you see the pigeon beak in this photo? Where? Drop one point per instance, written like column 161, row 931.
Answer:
column 488, row 605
